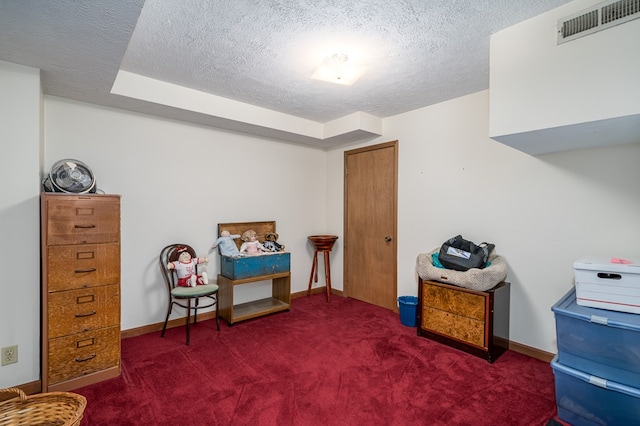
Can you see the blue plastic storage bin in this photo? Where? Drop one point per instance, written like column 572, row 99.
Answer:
column 408, row 310
column 585, row 400
column 599, row 342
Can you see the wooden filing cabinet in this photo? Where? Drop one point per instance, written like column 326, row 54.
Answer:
column 476, row 322
column 80, row 289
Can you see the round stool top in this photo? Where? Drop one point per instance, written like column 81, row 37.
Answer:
column 323, row 242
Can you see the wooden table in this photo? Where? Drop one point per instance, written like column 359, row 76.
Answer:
column 324, row 244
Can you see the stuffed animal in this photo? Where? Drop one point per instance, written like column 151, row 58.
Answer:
column 271, row 242
column 227, row 246
column 185, row 267
column 251, row 245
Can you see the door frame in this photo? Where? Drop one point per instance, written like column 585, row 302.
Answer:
column 345, row 267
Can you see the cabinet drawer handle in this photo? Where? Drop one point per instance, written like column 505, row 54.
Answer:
column 86, row 358
column 88, row 314
column 85, row 226
column 81, row 271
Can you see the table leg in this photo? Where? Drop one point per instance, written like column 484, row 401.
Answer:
column 314, row 267
column 327, row 273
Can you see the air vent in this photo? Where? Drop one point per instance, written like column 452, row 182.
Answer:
column 616, row 12
column 579, row 24
column 597, row 18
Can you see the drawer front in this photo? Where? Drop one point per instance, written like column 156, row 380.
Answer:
column 78, row 220
column 459, row 327
column 82, row 266
column 75, row 311
column 455, row 301
column 83, row 353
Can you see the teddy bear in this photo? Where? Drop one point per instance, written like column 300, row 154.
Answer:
column 271, row 242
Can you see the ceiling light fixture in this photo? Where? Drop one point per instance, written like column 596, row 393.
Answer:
column 337, row 69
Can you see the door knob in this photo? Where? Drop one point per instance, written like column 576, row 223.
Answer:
column 388, row 238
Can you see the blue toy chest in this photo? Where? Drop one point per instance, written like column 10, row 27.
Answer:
column 238, row 268
column 599, row 342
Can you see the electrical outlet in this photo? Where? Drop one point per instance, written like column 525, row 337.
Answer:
column 9, row 355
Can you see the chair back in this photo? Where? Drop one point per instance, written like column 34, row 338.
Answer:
column 170, row 254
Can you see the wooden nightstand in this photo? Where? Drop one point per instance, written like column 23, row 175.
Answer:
column 476, row 322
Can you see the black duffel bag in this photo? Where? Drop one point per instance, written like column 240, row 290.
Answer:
column 461, row 255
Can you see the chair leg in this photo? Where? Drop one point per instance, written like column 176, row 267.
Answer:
column 164, row 327
column 195, row 311
column 217, row 313
column 188, row 319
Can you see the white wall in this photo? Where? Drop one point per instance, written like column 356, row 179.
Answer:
column 548, row 97
column 20, row 221
column 542, row 212
column 591, row 78
column 178, row 181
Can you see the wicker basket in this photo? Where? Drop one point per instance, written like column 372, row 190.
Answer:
column 52, row 408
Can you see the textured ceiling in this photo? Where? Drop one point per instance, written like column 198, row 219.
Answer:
column 262, row 53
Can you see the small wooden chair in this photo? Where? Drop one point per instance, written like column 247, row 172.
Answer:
column 179, row 295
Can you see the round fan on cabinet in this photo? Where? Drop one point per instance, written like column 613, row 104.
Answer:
column 71, row 176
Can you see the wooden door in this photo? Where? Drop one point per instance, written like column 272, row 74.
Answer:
column 370, row 222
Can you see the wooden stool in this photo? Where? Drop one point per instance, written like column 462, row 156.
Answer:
column 323, row 243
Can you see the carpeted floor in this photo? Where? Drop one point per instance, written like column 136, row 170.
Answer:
column 340, row 363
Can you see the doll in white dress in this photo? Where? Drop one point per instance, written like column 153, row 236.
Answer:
column 251, row 246
column 185, row 267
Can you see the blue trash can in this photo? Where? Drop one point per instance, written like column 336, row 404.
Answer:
column 408, row 310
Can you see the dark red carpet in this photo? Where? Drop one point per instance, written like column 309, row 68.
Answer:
column 340, row 363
